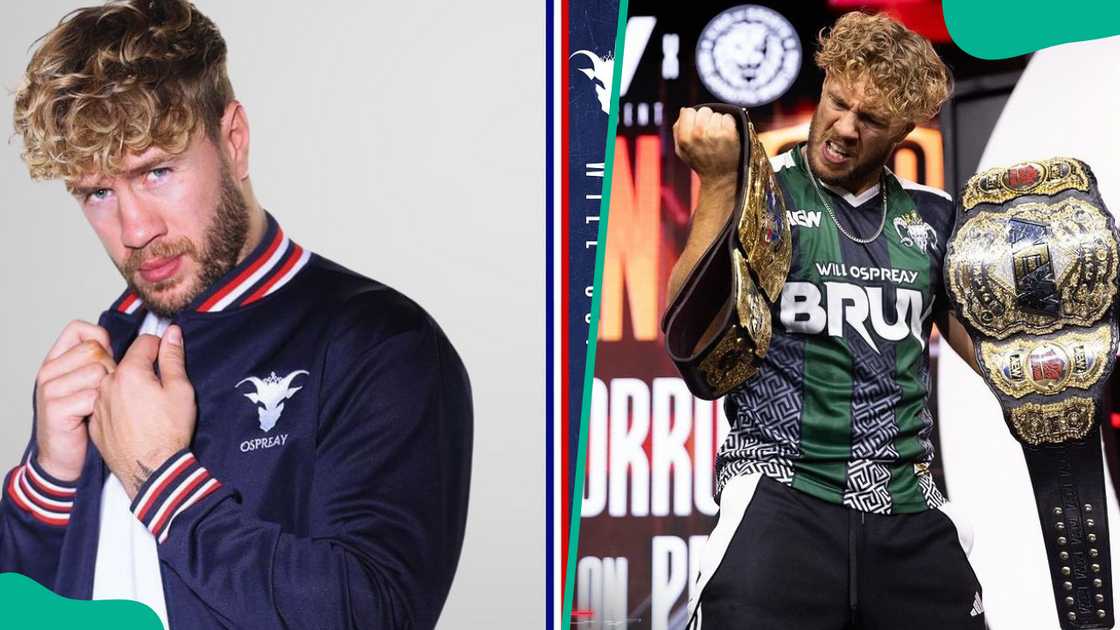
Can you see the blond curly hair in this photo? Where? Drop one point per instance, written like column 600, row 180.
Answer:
column 901, row 69
column 117, row 79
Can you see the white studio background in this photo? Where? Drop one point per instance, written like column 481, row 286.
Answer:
column 404, row 140
column 1065, row 104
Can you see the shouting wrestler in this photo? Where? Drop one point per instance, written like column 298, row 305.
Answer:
column 829, row 516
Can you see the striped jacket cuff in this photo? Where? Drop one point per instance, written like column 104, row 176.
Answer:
column 45, row 498
column 176, row 485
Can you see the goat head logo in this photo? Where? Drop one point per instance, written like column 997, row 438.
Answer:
column 270, row 396
column 914, row 232
column 600, row 73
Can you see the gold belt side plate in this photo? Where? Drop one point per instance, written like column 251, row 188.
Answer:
column 1053, row 423
column 763, row 229
column 750, row 306
column 730, row 363
column 1034, row 365
column 736, row 356
column 1081, row 251
column 1043, row 177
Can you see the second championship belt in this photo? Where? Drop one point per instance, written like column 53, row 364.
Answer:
column 717, row 328
column 1031, row 270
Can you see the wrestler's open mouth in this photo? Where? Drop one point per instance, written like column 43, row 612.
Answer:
column 833, row 154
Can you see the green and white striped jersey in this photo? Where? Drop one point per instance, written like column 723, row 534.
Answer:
column 838, row 408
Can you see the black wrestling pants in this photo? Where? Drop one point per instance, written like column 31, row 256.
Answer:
column 780, row 559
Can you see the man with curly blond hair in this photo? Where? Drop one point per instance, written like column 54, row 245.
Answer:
column 251, row 436
column 829, row 517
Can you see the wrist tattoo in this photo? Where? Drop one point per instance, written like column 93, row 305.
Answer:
column 140, row 477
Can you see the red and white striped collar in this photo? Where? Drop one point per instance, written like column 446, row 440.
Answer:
column 271, row 265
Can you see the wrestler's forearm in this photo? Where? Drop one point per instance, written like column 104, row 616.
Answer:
column 954, row 333
column 713, row 206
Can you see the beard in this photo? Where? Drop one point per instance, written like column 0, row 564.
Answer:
column 224, row 239
column 856, row 175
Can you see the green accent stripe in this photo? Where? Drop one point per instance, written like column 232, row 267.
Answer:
column 997, row 30
column 826, row 426
column 27, row 604
column 906, row 496
column 826, row 413
column 593, row 334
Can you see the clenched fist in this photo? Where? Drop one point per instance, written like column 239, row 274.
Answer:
column 140, row 419
column 65, row 392
column 708, row 142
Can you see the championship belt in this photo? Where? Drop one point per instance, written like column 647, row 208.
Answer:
column 717, row 328
column 1032, row 273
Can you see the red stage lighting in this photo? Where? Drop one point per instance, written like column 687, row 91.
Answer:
column 921, row 16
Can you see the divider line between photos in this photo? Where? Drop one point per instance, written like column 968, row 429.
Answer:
column 549, row 368
column 593, row 331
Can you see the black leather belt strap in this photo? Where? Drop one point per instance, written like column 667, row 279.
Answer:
column 1068, row 482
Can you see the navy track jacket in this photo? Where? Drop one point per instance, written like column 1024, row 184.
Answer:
column 326, row 483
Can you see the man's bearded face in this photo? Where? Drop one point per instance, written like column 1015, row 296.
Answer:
column 851, row 137
column 173, row 224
